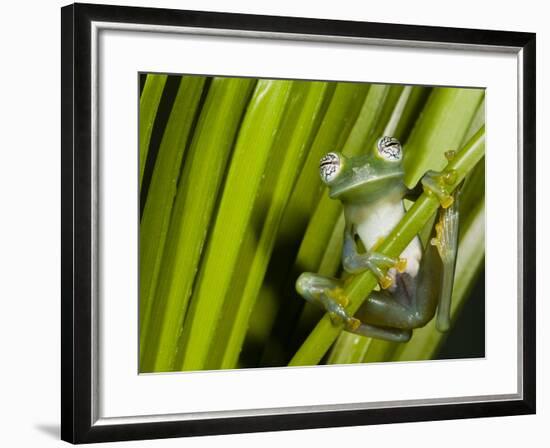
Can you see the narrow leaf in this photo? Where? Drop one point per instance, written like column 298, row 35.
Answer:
column 148, row 105
column 441, row 127
column 287, row 154
column 340, row 116
column 245, row 173
column 202, row 175
column 158, row 206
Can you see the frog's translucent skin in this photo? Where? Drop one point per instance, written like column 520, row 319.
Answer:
column 413, row 286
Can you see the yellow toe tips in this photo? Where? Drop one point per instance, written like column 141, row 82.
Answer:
column 446, row 201
column 353, row 324
column 334, row 318
column 341, row 298
column 386, row 281
column 401, row 265
column 437, row 240
column 450, row 154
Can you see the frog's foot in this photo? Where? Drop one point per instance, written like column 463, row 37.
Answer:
column 438, row 183
column 329, row 294
column 399, row 264
column 446, row 242
column 446, row 234
column 324, row 291
column 377, row 263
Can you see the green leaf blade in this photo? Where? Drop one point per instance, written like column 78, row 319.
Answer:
column 442, row 126
column 148, row 106
column 194, row 204
column 245, row 172
column 162, row 190
column 288, row 151
column 344, row 107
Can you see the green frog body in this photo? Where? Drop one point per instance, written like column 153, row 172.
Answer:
column 412, row 287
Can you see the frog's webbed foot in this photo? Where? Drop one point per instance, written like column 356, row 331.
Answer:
column 376, row 262
column 437, row 183
column 446, row 242
column 329, row 294
column 446, row 233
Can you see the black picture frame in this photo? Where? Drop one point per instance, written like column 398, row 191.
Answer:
column 77, row 424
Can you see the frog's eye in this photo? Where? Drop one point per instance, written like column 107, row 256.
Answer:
column 390, row 148
column 329, row 167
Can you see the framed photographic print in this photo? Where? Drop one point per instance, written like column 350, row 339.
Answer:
column 274, row 223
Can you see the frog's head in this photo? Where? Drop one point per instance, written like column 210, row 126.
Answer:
column 366, row 176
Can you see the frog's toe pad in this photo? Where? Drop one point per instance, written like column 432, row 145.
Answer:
column 340, row 297
column 450, row 154
column 385, row 281
column 437, row 183
column 446, row 201
column 401, row 265
column 353, row 324
column 335, row 318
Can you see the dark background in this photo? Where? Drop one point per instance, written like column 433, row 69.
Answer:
column 467, row 336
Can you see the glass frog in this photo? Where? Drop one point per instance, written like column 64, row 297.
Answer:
column 416, row 284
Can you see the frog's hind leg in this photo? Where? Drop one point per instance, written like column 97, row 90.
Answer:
column 329, row 294
column 385, row 333
column 412, row 301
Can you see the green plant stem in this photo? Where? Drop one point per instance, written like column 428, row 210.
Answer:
column 162, row 190
column 148, row 106
column 324, row 334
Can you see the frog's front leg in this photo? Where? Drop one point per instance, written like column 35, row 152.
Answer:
column 437, row 183
column 354, row 262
